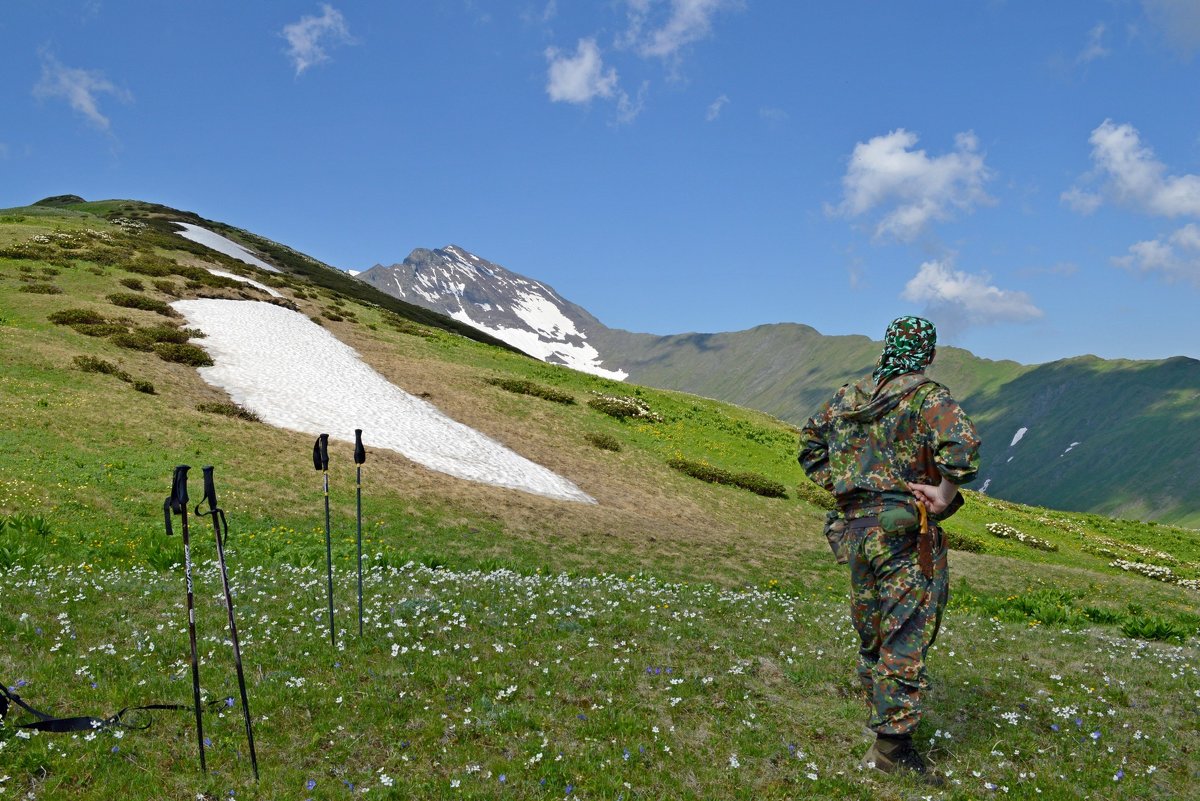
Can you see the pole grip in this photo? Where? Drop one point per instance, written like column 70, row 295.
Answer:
column 360, row 453
column 321, row 453
column 210, row 489
column 179, row 491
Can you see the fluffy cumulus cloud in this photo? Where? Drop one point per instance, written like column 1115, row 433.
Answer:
column 909, row 187
column 580, row 77
column 1130, row 174
column 661, row 28
column 80, row 88
column 310, row 38
column 958, row 300
column 1174, row 258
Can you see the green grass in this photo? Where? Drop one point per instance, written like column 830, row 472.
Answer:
column 641, row 646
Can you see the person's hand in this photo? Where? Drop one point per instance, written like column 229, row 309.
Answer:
column 935, row 499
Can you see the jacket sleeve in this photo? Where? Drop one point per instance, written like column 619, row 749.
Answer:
column 814, row 450
column 956, row 453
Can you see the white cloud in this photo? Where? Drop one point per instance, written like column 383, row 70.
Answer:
column 1135, row 177
column 1174, row 258
column 686, row 21
column 629, row 107
column 78, row 87
column 1081, row 200
column 1179, row 23
column 772, row 114
column 310, row 36
column 714, row 108
column 957, row 300
column 1094, row 48
column 581, row 77
column 912, row 188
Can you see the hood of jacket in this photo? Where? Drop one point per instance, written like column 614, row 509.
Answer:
column 864, row 402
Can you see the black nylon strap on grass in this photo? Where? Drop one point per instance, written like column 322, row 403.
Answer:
column 321, row 453
column 49, row 723
column 177, row 501
column 360, row 453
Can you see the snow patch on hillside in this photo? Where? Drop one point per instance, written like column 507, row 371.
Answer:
column 222, row 245
column 1068, row 450
column 1017, row 437
column 296, row 375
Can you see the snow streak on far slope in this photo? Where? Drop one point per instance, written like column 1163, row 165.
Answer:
column 222, row 245
column 245, row 280
column 1017, row 436
column 296, row 375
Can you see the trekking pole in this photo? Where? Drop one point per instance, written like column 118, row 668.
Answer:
column 177, row 503
column 321, row 462
column 221, row 530
column 360, row 456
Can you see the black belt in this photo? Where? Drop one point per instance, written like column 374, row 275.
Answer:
column 862, row 522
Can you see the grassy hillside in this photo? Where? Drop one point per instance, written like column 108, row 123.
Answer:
column 1129, row 418
column 679, row 639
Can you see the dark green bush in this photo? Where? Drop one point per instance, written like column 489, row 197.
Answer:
column 229, row 410
column 131, row 301
column 961, row 542
column 133, row 283
column 99, row 329
column 169, row 333
column 77, row 317
column 816, row 495
column 333, row 316
column 523, row 386
column 90, row 364
column 401, row 324
column 135, row 340
column 183, row 354
column 624, row 407
column 166, row 287
column 605, row 442
column 758, row 484
column 42, row 289
column 144, row 386
column 1152, row 627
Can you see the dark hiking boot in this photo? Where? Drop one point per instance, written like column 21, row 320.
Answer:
column 897, row 755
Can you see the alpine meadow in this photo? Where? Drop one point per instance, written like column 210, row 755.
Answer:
column 685, row 635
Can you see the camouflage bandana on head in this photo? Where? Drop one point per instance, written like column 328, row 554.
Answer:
column 907, row 348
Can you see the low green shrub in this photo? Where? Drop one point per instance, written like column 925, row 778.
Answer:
column 183, row 354
column 624, row 407
column 169, row 333
column 605, row 442
column 133, row 283
column 90, row 364
column 42, row 289
column 229, row 410
column 522, row 386
column 961, row 542
column 144, row 386
column 99, row 329
column 130, row 301
column 754, row 482
column 167, row 287
column 133, row 340
column 1152, row 627
column 77, row 317
column 818, row 496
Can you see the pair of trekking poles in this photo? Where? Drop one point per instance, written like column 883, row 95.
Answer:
column 321, row 462
column 177, row 503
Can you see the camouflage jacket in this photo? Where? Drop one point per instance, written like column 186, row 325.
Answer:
column 867, row 443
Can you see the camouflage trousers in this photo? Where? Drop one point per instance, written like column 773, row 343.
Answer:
column 896, row 612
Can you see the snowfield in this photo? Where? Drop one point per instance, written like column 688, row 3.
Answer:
column 222, row 245
column 294, row 374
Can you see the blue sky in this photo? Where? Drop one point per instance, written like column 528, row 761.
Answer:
column 1025, row 173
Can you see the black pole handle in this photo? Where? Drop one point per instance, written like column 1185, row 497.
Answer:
column 360, row 453
column 177, row 501
column 321, row 453
column 210, row 489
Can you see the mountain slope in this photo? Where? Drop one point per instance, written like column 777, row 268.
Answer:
column 1133, row 414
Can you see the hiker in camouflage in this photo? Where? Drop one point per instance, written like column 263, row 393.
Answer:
column 885, row 445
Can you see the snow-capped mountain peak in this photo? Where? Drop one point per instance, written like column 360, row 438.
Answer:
column 525, row 313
